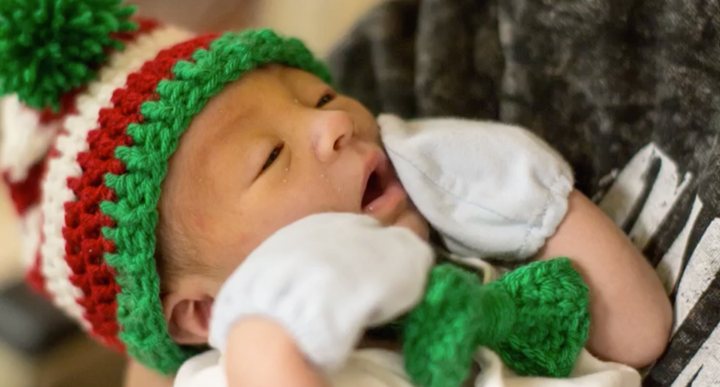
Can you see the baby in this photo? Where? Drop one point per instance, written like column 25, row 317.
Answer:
column 231, row 138
column 321, row 156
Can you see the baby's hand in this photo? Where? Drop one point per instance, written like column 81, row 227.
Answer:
column 325, row 279
column 257, row 348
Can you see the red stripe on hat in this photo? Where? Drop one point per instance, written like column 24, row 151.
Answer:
column 27, row 193
column 35, row 278
column 85, row 244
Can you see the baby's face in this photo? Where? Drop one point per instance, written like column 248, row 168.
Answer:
column 271, row 148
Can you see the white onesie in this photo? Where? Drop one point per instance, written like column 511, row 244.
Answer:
column 490, row 190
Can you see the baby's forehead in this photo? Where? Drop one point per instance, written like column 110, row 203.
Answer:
column 242, row 96
column 254, row 95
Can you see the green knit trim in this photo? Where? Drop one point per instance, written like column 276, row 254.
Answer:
column 140, row 315
column 50, row 47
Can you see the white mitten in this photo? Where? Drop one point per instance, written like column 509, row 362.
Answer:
column 490, row 189
column 325, row 279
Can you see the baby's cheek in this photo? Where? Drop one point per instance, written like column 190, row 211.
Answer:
column 323, row 196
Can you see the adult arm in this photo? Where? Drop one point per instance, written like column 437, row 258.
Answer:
column 631, row 315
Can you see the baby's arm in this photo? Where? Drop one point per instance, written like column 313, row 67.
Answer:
column 494, row 190
column 261, row 353
column 138, row 375
column 630, row 313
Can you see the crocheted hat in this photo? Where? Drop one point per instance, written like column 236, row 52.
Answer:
column 99, row 104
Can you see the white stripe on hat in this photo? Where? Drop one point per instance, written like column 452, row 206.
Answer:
column 73, row 141
column 25, row 140
column 30, row 224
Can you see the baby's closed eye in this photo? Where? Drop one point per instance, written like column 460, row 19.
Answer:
column 274, row 154
column 326, row 97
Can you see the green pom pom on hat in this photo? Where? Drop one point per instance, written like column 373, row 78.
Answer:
column 50, row 47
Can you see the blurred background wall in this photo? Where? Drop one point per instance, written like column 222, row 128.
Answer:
column 76, row 361
column 318, row 22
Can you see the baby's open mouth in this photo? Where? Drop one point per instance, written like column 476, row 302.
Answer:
column 373, row 190
column 383, row 195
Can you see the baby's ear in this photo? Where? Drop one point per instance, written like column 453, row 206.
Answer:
column 188, row 316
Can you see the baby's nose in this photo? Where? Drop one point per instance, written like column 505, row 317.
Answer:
column 330, row 132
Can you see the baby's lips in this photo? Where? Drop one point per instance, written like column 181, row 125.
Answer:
column 389, row 205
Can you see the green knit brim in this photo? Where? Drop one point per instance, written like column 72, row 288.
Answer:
column 143, row 327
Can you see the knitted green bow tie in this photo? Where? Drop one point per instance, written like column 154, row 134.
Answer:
column 535, row 318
